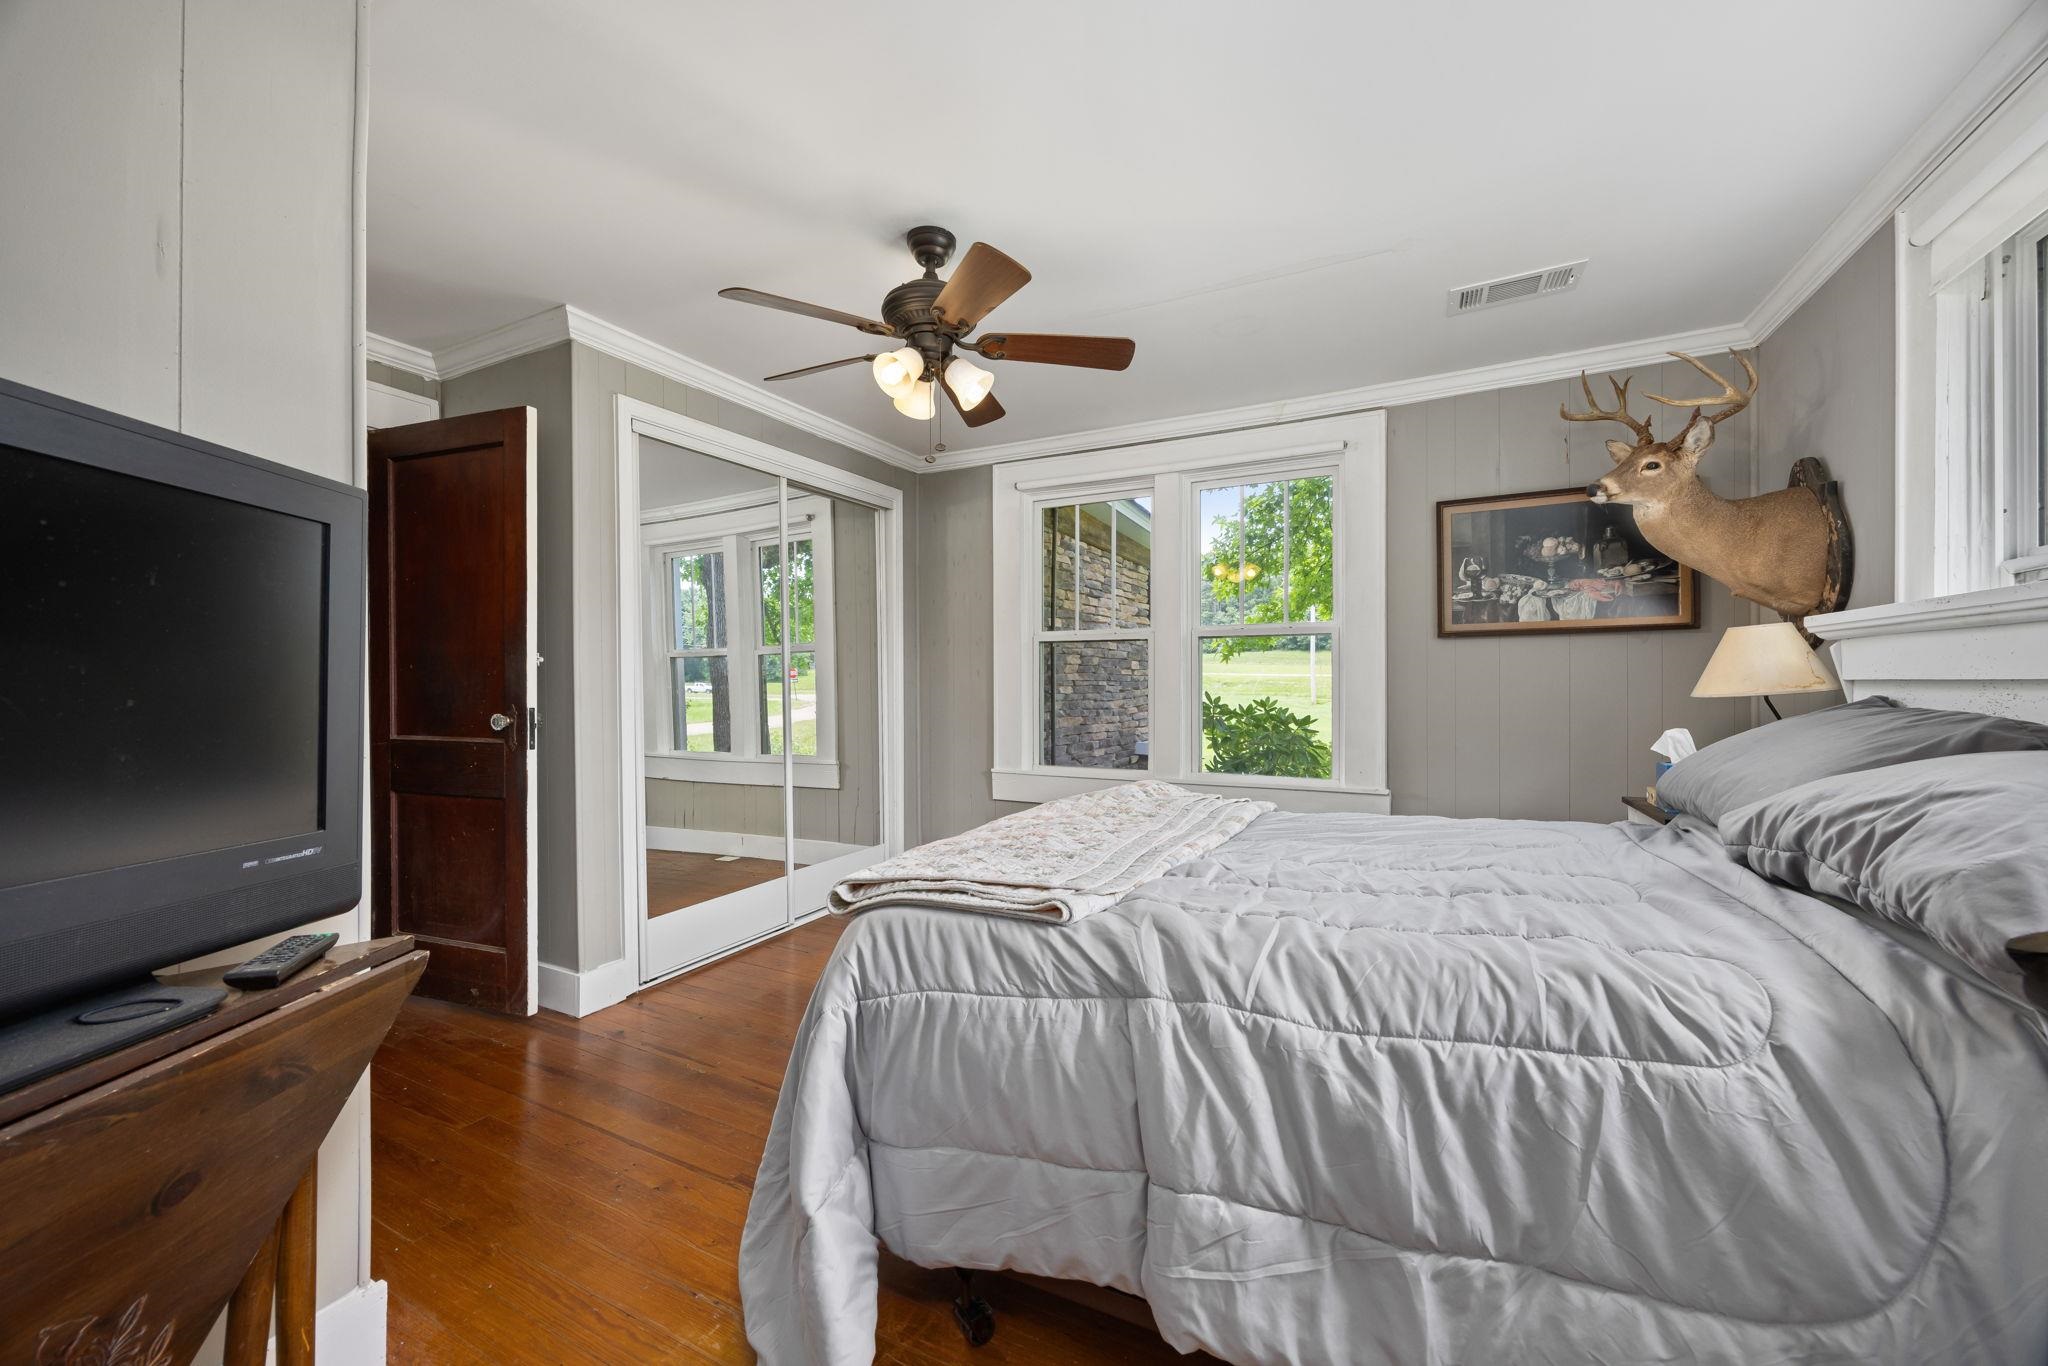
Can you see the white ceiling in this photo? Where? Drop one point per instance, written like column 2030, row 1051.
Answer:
column 1271, row 199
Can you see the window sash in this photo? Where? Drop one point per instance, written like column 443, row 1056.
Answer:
column 1196, row 731
column 1287, row 481
column 2022, row 439
column 1042, row 635
column 742, row 544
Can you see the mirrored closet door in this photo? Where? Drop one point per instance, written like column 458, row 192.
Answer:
column 761, row 628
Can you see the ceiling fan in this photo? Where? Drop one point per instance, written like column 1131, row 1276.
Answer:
column 932, row 317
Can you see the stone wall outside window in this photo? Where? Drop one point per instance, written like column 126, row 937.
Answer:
column 1097, row 694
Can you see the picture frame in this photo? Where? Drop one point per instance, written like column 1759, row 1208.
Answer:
column 1554, row 562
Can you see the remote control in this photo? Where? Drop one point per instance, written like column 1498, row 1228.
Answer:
column 276, row 964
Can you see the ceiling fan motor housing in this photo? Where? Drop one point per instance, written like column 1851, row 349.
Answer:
column 908, row 311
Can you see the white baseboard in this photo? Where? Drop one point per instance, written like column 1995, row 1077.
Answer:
column 744, row 846
column 350, row 1331
column 585, row 993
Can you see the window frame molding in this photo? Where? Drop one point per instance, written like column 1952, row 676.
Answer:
column 1353, row 447
column 737, row 526
column 1967, row 360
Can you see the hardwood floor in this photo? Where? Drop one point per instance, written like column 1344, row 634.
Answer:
column 558, row 1190
column 676, row 880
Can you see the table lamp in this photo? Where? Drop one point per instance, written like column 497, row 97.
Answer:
column 1756, row 661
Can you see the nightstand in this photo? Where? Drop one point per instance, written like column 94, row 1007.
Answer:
column 1637, row 811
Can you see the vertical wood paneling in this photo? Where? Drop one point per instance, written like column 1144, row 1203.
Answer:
column 1411, row 621
column 1535, row 672
column 1552, row 727
column 1442, row 722
column 1476, row 422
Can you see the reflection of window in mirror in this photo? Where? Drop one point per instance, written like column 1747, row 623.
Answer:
column 719, row 675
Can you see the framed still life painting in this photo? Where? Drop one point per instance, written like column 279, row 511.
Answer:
column 1539, row 563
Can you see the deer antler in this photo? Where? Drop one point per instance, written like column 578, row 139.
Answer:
column 1619, row 413
column 1735, row 398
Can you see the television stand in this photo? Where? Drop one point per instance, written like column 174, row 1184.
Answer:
column 94, row 1026
column 141, row 1191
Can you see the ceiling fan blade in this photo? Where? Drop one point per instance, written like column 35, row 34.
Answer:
column 830, row 315
column 981, row 414
column 984, row 278
column 814, row 369
column 1099, row 353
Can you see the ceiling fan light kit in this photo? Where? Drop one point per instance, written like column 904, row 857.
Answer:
column 968, row 381
column 898, row 371
column 916, row 401
column 932, row 318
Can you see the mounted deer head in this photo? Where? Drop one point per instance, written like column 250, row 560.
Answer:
column 1782, row 549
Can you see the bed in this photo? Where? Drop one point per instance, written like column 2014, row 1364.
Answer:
column 1378, row 1089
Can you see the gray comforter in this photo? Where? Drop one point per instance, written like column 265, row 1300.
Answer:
column 1372, row 1089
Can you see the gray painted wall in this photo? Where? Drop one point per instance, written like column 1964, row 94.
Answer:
column 573, row 386
column 177, row 225
column 956, row 651
column 1554, row 727
column 540, row 380
column 377, row 372
column 1829, row 386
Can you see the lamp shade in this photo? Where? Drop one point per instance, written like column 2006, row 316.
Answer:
column 1755, row 661
column 916, row 402
column 897, row 372
column 968, row 381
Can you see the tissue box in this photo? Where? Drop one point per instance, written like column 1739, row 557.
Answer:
column 1657, row 781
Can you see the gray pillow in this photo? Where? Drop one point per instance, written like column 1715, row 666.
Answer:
column 1847, row 739
column 1952, row 847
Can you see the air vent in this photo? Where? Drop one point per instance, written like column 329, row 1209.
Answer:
column 1469, row 298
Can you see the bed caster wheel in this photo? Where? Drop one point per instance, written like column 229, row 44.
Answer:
column 976, row 1320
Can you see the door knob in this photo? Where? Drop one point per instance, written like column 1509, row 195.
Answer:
column 499, row 720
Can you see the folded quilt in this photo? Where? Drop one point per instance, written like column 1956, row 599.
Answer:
column 1060, row 861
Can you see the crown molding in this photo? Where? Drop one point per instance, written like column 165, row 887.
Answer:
column 2020, row 51
column 600, row 335
column 415, row 360
column 1562, row 365
column 565, row 322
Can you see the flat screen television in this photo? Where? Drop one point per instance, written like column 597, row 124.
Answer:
column 181, row 675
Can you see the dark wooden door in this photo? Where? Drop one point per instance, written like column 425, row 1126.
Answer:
column 451, row 681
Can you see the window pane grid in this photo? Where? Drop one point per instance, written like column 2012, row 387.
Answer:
column 1245, row 530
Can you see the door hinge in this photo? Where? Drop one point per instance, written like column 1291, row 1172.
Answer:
column 533, row 727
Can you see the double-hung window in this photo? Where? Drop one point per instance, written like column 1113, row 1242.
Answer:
column 718, row 676
column 1208, row 611
column 1970, row 261
column 2023, row 375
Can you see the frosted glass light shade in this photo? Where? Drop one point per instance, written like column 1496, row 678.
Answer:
column 1754, row 661
column 917, row 402
column 968, row 381
column 898, row 371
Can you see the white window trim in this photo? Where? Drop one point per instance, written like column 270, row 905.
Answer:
column 1355, row 447
column 2023, row 552
column 1967, row 425
column 738, row 527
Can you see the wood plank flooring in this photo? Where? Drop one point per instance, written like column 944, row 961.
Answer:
column 557, row 1190
column 676, row 880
